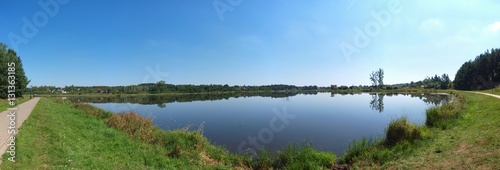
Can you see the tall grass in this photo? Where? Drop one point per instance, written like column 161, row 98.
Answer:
column 357, row 148
column 441, row 116
column 400, row 130
column 133, row 124
column 296, row 157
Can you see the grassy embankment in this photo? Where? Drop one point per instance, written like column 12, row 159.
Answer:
column 4, row 104
column 79, row 136
column 462, row 134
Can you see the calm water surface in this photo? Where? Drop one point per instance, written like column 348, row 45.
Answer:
column 328, row 121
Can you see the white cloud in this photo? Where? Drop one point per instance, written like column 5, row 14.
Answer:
column 495, row 27
column 491, row 30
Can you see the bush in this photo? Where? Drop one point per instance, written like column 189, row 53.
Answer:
column 401, row 130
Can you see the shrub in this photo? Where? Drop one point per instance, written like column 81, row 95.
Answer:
column 401, row 130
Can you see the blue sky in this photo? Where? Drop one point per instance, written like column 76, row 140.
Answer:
column 249, row 42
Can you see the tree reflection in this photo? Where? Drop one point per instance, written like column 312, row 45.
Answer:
column 163, row 100
column 377, row 102
column 436, row 99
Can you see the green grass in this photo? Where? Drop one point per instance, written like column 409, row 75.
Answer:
column 464, row 135
column 4, row 104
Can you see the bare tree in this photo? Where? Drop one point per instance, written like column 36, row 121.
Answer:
column 377, row 78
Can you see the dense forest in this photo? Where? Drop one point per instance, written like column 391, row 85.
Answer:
column 480, row 73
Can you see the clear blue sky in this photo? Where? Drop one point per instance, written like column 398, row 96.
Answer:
column 255, row 42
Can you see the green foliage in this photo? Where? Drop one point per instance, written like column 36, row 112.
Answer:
column 9, row 58
column 480, row 73
column 401, row 130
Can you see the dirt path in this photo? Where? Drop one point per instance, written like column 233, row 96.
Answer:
column 21, row 114
column 493, row 95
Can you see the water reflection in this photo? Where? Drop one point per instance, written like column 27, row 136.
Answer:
column 376, row 102
column 162, row 100
column 436, row 99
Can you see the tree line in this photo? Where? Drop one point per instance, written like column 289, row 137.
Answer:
column 480, row 73
column 163, row 87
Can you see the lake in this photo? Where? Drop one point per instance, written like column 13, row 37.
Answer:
column 245, row 122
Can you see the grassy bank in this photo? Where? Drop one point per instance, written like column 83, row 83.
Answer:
column 79, row 136
column 462, row 135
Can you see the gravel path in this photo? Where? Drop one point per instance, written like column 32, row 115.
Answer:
column 497, row 96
